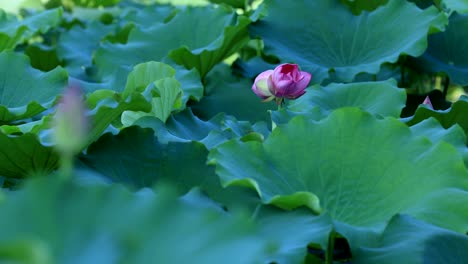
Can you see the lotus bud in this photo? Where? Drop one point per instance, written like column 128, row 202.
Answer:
column 285, row 81
column 427, row 101
column 71, row 124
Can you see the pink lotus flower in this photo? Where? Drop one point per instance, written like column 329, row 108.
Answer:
column 285, row 81
column 71, row 123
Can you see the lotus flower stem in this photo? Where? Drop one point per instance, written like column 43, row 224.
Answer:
column 66, row 166
column 279, row 102
column 446, row 86
column 70, row 128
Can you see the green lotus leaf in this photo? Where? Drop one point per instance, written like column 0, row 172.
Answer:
column 450, row 212
column 252, row 67
column 136, row 158
column 140, row 16
column 454, row 115
column 362, row 170
column 70, row 223
column 29, row 147
column 233, row 3
column 291, row 232
column 351, row 44
column 191, row 83
column 433, row 130
column 16, row 6
column 107, row 107
column 417, row 242
column 89, row 15
column 149, row 73
column 76, row 46
column 379, row 98
column 43, row 57
column 145, row 74
column 24, row 155
column 387, row 71
column 34, row 127
column 14, row 31
column 166, row 98
column 460, row 6
column 357, row 6
column 224, row 33
column 186, row 127
column 184, row 2
column 26, row 91
column 95, row 3
column 82, row 3
column 225, row 92
column 447, row 53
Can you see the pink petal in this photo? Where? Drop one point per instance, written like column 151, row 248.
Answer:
column 296, row 94
column 427, row 101
column 283, row 87
column 305, row 80
column 263, row 75
column 281, row 72
column 260, row 81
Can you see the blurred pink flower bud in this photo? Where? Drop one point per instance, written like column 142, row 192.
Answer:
column 71, row 124
column 285, row 81
column 427, row 101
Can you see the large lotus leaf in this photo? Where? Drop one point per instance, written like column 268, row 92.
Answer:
column 204, row 59
column 225, row 92
column 414, row 241
column 454, row 115
column 43, row 57
column 454, row 135
column 460, row 6
column 53, row 222
column 233, row 3
column 76, row 46
column 379, row 98
column 16, row 6
column 24, row 155
column 88, row 4
column 14, row 31
column 94, row 3
column 107, row 108
column 218, row 35
column 145, row 74
column 136, row 158
column 186, row 127
column 252, row 67
column 34, row 127
column 453, row 206
column 166, row 97
column 156, row 81
column 359, row 169
column 447, row 51
column 184, row 2
column 291, row 232
column 191, row 83
column 28, row 147
column 357, row 6
column 301, row 32
column 84, row 14
column 24, row 90
column 154, row 13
